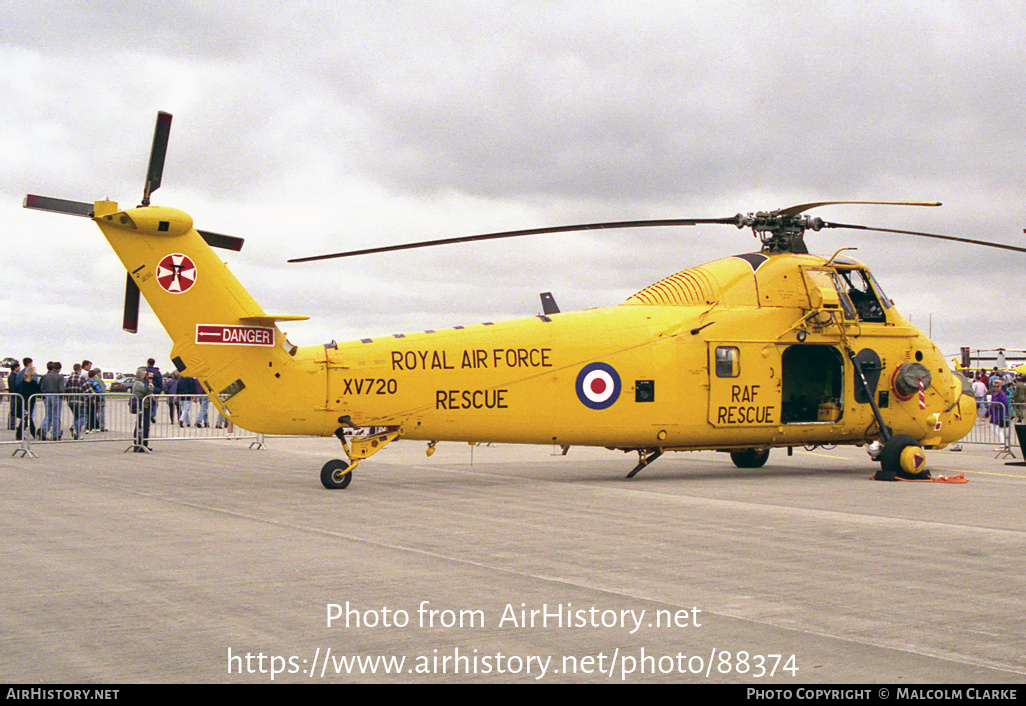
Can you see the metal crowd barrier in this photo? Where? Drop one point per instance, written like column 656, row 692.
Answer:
column 48, row 419
column 11, row 413
column 1000, row 436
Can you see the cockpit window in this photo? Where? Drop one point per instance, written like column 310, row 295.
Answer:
column 826, row 291
column 884, row 301
column 863, row 295
column 846, row 303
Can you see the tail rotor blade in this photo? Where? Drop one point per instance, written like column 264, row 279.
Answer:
column 217, row 240
column 131, row 318
column 48, row 203
column 156, row 169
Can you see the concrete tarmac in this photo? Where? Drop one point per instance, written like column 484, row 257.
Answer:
column 210, row 562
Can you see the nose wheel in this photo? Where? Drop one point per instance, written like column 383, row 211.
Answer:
column 902, row 457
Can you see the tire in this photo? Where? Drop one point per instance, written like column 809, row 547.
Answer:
column 750, row 458
column 890, row 459
column 332, row 477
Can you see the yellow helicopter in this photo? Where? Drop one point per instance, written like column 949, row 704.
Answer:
column 773, row 349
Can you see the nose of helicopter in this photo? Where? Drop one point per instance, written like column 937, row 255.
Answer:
column 959, row 419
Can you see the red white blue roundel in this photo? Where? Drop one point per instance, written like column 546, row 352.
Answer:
column 176, row 273
column 598, row 385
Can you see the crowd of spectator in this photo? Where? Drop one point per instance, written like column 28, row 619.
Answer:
column 84, row 392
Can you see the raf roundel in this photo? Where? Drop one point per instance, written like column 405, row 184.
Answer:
column 598, row 385
column 176, row 273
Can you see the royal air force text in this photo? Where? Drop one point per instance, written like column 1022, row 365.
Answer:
column 473, row 359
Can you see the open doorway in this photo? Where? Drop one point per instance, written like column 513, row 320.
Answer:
column 812, row 384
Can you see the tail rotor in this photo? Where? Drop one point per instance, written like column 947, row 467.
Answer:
column 154, row 174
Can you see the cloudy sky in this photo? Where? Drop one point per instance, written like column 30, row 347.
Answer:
column 322, row 126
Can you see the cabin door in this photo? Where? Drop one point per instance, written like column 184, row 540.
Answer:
column 744, row 384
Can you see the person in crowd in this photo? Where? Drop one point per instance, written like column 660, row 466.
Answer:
column 52, row 385
column 101, row 407
column 158, row 384
column 14, row 414
column 28, row 392
column 93, row 402
column 202, row 416
column 25, row 363
column 1019, row 398
column 78, row 390
column 979, row 392
column 174, row 405
column 142, row 405
column 186, row 389
column 999, row 411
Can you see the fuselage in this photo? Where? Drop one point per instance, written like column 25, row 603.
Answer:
column 746, row 352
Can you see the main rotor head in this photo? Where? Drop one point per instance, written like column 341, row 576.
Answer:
column 778, row 232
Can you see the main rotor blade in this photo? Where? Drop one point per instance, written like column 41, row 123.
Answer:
column 516, row 233
column 971, row 241
column 161, row 133
column 800, row 208
column 130, row 321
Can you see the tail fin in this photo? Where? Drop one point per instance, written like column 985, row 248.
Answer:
column 220, row 334
column 209, row 315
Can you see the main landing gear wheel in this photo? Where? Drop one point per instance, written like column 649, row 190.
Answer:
column 334, row 474
column 750, row 458
column 902, row 457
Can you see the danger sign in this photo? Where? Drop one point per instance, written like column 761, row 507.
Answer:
column 218, row 334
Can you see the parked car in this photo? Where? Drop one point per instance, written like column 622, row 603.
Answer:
column 122, row 385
